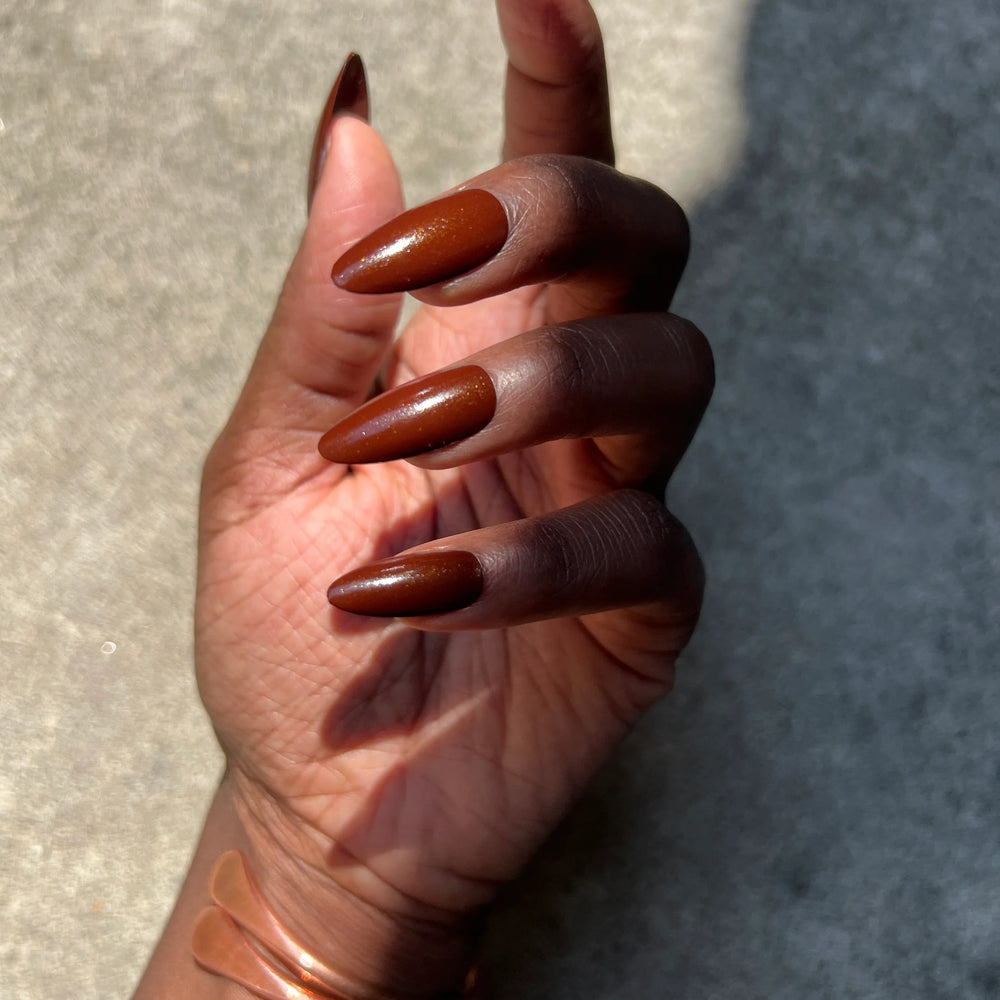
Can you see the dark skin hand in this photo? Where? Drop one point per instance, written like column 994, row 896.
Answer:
column 386, row 774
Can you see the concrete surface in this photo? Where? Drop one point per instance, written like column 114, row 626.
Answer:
column 816, row 810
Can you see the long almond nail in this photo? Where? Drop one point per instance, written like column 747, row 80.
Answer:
column 426, row 245
column 421, row 583
column 420, row 416
column 349, row 95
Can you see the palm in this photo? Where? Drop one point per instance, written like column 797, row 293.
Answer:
column 464, row 747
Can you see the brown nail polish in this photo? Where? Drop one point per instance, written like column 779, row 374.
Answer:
column 420, row 416
column 426, row 245
column 349, row 95
column 421, row 583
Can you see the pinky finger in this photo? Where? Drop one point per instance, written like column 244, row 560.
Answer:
column 615, row 551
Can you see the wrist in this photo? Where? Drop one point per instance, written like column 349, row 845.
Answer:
column 373, row 936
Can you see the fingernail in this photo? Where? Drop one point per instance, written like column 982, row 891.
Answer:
column 426, row 245
column 349, row 95
column 420, row 416
column 421, row 583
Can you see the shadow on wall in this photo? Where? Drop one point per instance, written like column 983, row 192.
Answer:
column 814, row 811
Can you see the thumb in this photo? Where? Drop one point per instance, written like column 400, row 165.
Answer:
column 324, row 346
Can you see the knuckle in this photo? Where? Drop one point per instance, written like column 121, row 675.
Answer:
column 554, row 550
column 663, row 545
column 570, row 360
column 693, row 354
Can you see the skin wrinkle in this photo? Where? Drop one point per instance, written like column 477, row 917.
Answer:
column 649, row 687
column 411, row 494
column 524, row 637
column 229, row 500
column 589, row 547
column 572, row 199
column 556, row 695
column 568, row 373
column 419, row 904
column 586, row 357
column 566, row 32
column 574, row 64
column 522, row 203
column 483, row 496
column 582, row 202
column 256, row 806
column 351, row 364
column 549, row 556
column 504, row 833
column 324, row 876
column 498, row 762
column 331, row 769
column 579, row 196
column 589, row 537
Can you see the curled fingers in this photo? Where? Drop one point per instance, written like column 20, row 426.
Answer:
column 636, row 386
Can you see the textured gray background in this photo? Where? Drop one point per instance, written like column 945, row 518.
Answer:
column 816, row 810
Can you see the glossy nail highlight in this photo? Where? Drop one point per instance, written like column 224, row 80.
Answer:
column 349, row 95
column 420, row 583
column 420, row 416
column 426, row 245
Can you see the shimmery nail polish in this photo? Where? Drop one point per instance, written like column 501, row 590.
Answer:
column 420, row 416
column 349, row 95
column 420, row 583
column 426, row 245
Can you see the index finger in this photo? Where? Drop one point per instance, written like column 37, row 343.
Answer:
column 556, row 98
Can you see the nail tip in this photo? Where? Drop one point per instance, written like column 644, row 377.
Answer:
column 329, row 453
column 360, row 278
column 345, row 453
column 348, row 95
column 352, row 89
column 344, row 278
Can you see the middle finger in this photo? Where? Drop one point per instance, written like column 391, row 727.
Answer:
column 637, row 384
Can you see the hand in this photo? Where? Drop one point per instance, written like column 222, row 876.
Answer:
column 400, row 768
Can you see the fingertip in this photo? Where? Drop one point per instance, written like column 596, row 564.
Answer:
column 349, row 95
column 557, row 92
column 551, row 41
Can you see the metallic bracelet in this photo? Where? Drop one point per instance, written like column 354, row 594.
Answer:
column 241, row 938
